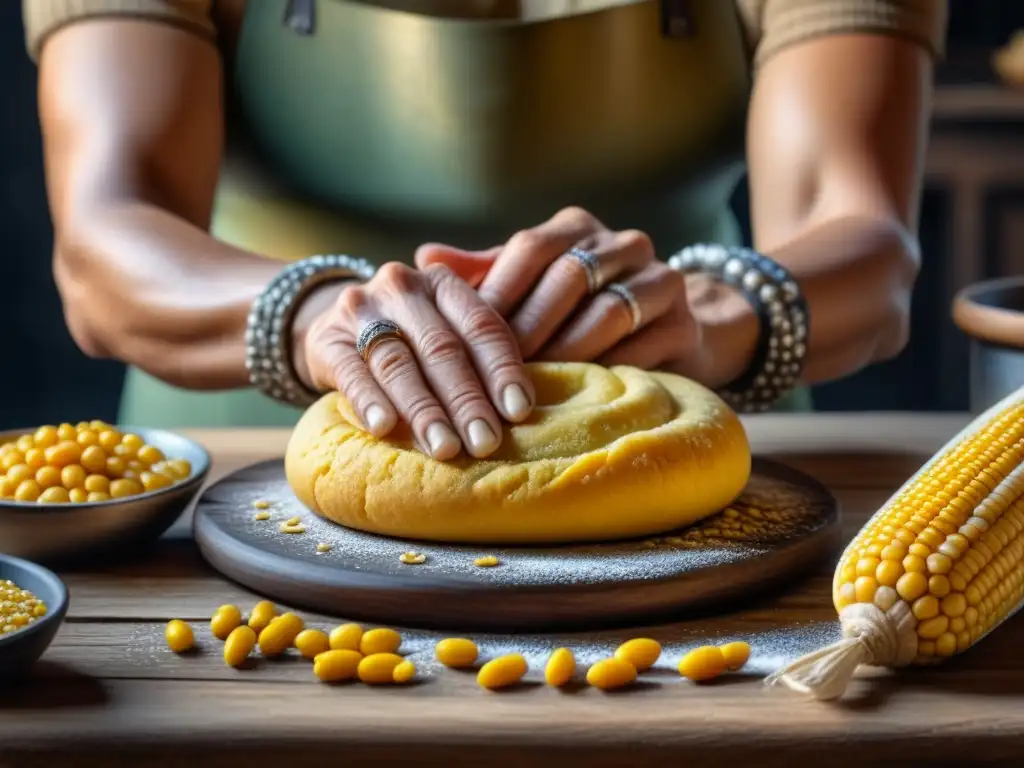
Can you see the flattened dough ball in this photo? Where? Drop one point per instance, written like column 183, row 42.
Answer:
column 609, row 453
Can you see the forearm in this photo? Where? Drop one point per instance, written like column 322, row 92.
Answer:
column 152, row 290
column 856, row 276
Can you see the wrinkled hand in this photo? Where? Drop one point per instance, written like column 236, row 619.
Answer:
column 455, row 370
column 544, row 294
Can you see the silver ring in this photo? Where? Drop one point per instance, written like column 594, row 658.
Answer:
column 373, row 333
column 591, row 267
column 629, row 299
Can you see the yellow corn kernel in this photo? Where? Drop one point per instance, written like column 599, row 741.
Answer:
column 310, row 643
column 261, row 516
column 380, row 640
column 502, row 672
column 736, row 655
column 239, row 645
column 323, row 547
column 961, row 576
column 224, row 621
column 261, row 504
column 560, row 667
column 261, row 615
column 78, row 495
column 179, row 636
column 378, row 668
column 287, row 528
column 337, row 665
column 456, row 652
column 487, row 561
column 412, row 558
column 404, row 672
column 703, row 663
column 612, row 673
column 346, row 637
column 55, row 495
column 279, row 634
column 640, row 652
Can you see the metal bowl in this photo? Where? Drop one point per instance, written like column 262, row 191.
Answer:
column 20, row 649
column 61, row 532
column 992, row 314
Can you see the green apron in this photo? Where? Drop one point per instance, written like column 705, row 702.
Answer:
column 385, row 154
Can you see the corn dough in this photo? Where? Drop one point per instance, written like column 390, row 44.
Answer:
column 608, row 453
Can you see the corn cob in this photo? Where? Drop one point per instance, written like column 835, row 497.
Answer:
column 938, row 567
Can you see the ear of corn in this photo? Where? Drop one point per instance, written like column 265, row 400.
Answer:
column 938, row 567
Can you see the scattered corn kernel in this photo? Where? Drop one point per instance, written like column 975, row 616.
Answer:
column 336, row 665
column 261, row 504
column 560, row 667
column 224, row 621
column 18, row 607
column 380, row 640
column 609, row 674
column 280, row 634
column 238, row 645
column 293, row 520
column 404, row 672
column 286, row 528
column 456, row 652
column 736, row 655
column 487, row 561
column 347, row 637
column 310, row 643
column 412, row 558
column 640, row 652
column 323, row 547
column 179, row 636
column 261, row 516
column 502, row 672
column 703, row 663
column 378, row 668
column 262, row 614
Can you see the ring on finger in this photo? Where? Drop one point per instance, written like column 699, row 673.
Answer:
column 373, row 333
column 591, row 267
column 628, row 298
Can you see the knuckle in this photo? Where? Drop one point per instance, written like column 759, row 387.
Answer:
column 673, row 278
column 465, row 400
column 439, row 345
column 397, row 276
column 439, row 273
column 527, row 240
column 573, row 214
column 351, row 300
column 634, row 239
column 391, row 362
column 422, row 410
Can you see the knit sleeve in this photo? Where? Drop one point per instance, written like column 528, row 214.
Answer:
column 772, row 25
column 43, row 17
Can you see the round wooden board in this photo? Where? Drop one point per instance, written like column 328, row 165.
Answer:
column 533, row 588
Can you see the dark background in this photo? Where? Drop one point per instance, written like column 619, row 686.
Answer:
column 46, row 379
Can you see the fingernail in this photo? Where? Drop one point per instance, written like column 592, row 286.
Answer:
column 482, row 440
column 442, row 441
column 517, row 405
column 376, row 419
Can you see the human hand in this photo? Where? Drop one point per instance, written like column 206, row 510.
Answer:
column 449, row 372
column 544, row 292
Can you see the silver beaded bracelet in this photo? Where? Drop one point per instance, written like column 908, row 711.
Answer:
column 782, row 347
column 267, row 334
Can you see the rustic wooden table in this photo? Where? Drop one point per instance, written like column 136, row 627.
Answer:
column 109, row 693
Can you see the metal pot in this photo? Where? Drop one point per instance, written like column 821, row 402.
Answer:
column 992, row 314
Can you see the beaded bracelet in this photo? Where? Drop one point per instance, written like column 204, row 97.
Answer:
column 268, row 351
column 780, row 306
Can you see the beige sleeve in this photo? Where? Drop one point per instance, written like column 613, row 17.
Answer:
column 771, row 25
column 43, row 17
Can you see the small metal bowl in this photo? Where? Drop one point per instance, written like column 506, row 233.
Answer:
column 63, row 532
column 991, row 313
column 21, row 648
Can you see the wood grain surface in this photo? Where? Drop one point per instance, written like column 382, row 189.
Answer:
column 108, row 693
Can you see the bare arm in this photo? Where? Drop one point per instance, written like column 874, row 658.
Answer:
column 132, row 124
column 836, row 138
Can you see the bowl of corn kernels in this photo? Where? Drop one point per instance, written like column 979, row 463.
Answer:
column 33, row 601
column 71, row 491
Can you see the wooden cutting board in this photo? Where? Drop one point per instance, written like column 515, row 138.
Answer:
column 783, row 524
